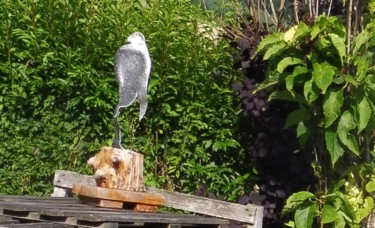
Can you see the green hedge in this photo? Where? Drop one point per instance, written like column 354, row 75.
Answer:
column 58, row 91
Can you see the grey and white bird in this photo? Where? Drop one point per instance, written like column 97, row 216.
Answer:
column 132, row 70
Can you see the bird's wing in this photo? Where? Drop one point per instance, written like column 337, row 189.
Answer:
column 130, row 66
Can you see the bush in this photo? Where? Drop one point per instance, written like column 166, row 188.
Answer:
column 58, row 92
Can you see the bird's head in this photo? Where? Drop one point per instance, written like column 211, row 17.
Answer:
column 136, row 38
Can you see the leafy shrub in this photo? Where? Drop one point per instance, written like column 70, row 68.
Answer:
column 330, row 77
column 58, row 91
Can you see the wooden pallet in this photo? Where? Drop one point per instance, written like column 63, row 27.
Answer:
column 249, row 214
column 118, row 198
column 70, row 212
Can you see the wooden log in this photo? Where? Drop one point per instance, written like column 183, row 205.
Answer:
column 119, row 169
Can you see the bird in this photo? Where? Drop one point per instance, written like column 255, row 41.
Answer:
column 132, row 70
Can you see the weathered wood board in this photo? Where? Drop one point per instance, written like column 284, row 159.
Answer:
column 68, row 212
column 250, row 214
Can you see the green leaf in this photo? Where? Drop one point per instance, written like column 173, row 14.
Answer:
column 290, row 79
column 303, row 133
column 365, row 210
column 271, row 80
column 346, row 124
column 304, row 216
column 299, row 197
column 332, row 103
column 269, row 40
column 287, row 96
column 370, row 186
column 339, row 43
column 274, row 49
column 290, row 224
column 333, row 145
column 315, row 31
column 310, row 91
column 288, row 61
column 301, row 33
column 349, row 78
column 362, row 64
column 363, row 108
column 296, row 117
column 360, row 40
column 340, row 220
column 323, row 75
column 328, row 214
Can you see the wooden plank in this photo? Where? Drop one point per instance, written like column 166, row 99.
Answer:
column 88, row 215
column 38, row 224
column 102, row 202
column 118, row 195
column 251, row 214
column 207, row 206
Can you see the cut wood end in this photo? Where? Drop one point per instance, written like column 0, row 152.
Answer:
column 118, row 168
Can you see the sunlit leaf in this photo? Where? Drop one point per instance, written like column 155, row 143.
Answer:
column 304, row 216
column 362, row 64
column 339, row 43
column 370, row 186
column 328, row 214
column 269, row 40
column 310, row 91
column 288, row 35
column 288, row 61
column 364, row 109
column 274, row 49
column 299, row 197
column 302, row 32
column 323, row 75
column 346, row 124
column 332, row 103
column 333, row 145
column 360, row 40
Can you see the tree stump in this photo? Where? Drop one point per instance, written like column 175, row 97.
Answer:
column 119, row 169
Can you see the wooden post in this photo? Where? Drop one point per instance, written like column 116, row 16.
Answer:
column 119, row 169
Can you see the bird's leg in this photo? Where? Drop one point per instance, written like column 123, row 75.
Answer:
column 117, row 140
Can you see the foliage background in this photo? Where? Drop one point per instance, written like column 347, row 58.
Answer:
column 58, row 91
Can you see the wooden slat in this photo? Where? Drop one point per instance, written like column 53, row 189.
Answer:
column 118, row 195
column 39, row 225
column 250, row 214
column 86, row 215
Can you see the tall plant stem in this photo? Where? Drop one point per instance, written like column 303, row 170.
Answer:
column 295, row 10
column 349, row 24
column 280, row 12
